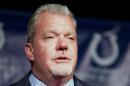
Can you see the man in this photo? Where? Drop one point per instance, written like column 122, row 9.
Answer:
column 51, row 48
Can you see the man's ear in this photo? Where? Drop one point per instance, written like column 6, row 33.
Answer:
column 29, row 51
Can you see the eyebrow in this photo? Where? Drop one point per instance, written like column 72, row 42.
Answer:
column 71, row 33
column 56, row 33
column 50, row 31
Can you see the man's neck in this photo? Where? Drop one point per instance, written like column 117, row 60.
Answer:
column 58, row 81
column 54, row 81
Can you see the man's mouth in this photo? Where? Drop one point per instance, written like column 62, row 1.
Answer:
column 61, row 60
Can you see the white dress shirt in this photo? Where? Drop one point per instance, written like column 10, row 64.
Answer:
column 36, row 82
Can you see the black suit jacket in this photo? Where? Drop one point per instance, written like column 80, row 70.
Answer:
column 25, row 81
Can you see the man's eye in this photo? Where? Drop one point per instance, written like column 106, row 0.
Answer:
column 50, row 37
column 71, row 38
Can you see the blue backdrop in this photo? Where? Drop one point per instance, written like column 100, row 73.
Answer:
column 104, row 50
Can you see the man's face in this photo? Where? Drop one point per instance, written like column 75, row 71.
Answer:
column 54, row 46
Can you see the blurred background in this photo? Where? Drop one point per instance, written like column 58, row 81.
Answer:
column 108, row 10
column 103, row 35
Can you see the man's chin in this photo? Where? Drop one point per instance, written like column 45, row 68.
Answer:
column 61, row 70
column 60, row 76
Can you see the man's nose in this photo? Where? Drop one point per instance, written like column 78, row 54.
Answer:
column 62, row 44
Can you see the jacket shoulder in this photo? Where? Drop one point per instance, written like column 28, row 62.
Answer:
column 23, row 82
column 78, row 82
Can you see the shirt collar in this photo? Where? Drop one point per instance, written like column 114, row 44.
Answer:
column 36, row 82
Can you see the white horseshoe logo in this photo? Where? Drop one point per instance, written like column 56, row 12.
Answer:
column 2, row 36
column 109, row 60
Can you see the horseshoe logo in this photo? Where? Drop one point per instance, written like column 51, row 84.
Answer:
column 108, row 60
